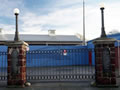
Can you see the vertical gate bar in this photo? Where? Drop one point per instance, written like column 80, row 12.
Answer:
column 46, row 63
column 53, row 64
column 56, row 60
column 37, row 63
column 36, row 60
column 56, row 64
column 55, row 54
column 68, row 59
column 91, row 62
column 41, row 60
column 81, row 62
column 33, row 65
column 86, row 62
column 76, row 63
column 46, row 67
column 90, row 65
column 35, row 56
column 72, row 63
column 62, row 63
column 64, row 60
column 73, row 55
column 2, row 64
column 39, row 56
column 90, row 71
column 43, row 64
column 49, row 65
column 5, row 64
column 79, row 58
column 50, row 61
column 32, row 59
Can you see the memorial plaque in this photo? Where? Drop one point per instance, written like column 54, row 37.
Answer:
column 106, row 60
column 14, row 62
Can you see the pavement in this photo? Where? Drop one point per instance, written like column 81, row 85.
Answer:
column 60, row 86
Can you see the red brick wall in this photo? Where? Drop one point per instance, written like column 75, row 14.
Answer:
column 101, row 78
column 18, row 79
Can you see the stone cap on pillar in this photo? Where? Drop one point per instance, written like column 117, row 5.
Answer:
column 15, row 43
column 104, row 40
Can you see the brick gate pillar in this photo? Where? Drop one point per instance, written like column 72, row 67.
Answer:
column 16, row 63
column 105, row 62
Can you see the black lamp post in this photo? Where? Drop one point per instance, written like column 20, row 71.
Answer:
column 16, row 12
column 103, row 34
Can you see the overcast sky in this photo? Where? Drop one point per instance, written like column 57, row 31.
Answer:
column 64, row 16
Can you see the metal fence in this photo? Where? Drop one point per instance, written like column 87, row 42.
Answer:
column 60, row 65
column 3, row 66
column 55, row 65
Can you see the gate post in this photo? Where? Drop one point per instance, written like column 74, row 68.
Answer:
column 16, row 58
column 16, row 63
column 105, row 72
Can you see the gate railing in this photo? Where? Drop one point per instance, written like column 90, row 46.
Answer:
column 64, row 64
column 3, row 66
